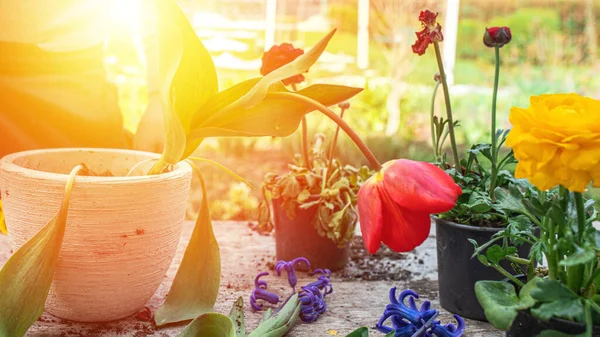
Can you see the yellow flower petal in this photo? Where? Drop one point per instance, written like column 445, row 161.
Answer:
column 557, row 141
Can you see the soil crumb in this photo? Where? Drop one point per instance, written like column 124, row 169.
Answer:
column 88, row 172
column 385, row 265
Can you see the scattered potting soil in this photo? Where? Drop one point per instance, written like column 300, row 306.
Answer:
column 481, row 223
column 385, row 265
column 88, row 172
column 73, row 329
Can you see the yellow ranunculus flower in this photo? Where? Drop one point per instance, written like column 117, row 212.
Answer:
column 557, row 141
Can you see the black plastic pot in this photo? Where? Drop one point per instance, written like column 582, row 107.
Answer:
column 527, row 325
column 458, row 272
column 298, row 237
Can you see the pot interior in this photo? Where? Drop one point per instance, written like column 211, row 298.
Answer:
column 101, row 162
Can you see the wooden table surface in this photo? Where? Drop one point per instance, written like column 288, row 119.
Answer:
column 359, row 297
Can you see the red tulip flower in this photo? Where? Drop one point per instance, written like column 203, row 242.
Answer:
column 279, row 56
column 395, row 204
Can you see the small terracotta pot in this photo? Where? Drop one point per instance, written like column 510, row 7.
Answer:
column 121, row 234
column 298, row 237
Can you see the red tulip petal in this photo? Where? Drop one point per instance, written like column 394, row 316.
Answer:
column 420, row 186
column 370, row 213
column 403, row 230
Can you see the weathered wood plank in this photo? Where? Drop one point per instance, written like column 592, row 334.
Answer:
column 355, row 302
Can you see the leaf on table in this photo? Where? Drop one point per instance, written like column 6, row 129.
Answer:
column 237, row 317
column 26, row 277
column 188, row 78
column 278, row 324
column 276, row 117
column 2, row 221
column 210, row 324
column 360, row 332
column 196, row 285
column 500, row 301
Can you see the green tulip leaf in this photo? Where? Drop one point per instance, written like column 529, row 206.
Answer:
column 210, row 324
column 196, row 284
column 277, row 117
column 187, row 75
column 237, row 317
column 300, row 65
column 360, row 332
column 500, row 302
column 224, row 168
column 281, row 322
column 26, row 277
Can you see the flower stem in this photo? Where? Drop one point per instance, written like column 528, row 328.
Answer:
column 305, row 144
column 333, row 143
column 494, row 140
column 518, row 260
column 434, row 140
column 552, row 253
column 575, row 273
column 304, row 137
column 438, row 56
column 375, row 164
column 580, row 216
column 507, row 274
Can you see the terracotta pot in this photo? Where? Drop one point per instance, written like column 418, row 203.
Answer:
column 298, row 237
column 121, row 234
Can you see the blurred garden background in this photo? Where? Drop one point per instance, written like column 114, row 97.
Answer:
column 554, row 49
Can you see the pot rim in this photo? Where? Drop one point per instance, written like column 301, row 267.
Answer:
column 7, row 164
column 466, row 227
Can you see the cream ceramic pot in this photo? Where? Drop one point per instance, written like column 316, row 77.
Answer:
column 121, row 234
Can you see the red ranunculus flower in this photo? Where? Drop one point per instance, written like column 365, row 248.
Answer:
column 496, row 36
column 432, row 31
column 279, row 56
column 395, row 204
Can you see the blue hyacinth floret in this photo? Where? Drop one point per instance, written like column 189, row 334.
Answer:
column 311, row 296
column 410, row 321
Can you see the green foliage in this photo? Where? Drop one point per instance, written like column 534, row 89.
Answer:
column 238, row 204
column 556, row 300
column 26, row 277
column 332, row 193
column 210, row 324
column 237, row 317
column 196, row 285
column 569, row 242
column 280, row 322
column 500, row 302
column 364, row 332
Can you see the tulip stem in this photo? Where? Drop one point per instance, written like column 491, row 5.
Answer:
column 438, row 56
column 494, row 138
column 333, row 143
column 375, row 164
column 304, row 137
